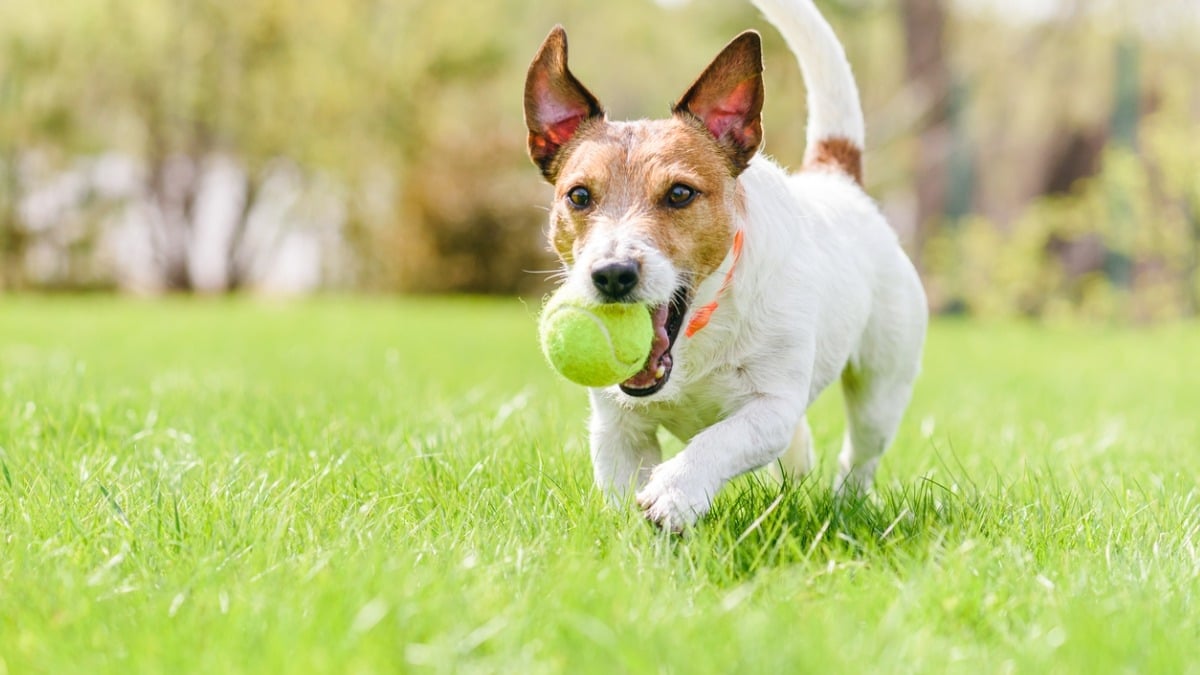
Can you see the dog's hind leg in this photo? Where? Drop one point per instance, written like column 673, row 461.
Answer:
column 875, row 404
column 799, row 459
column 877, row 382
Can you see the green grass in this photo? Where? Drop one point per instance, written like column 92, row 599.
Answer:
column 373, row 486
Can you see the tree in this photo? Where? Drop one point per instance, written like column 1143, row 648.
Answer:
column 927, row 69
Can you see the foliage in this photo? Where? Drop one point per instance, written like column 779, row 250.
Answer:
column 235, row 487
column 1123, row 245
column 412, row 110
column 406, row 116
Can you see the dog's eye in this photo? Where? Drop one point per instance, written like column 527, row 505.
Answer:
column 579, row 197
column 680, row 195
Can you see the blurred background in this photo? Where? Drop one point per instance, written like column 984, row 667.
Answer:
column 1039, row 158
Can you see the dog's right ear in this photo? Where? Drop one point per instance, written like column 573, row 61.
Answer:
column 555, row 102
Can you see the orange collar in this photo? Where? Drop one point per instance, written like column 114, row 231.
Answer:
column 701, row 317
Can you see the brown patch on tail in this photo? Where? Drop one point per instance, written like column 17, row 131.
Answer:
column 836, row 154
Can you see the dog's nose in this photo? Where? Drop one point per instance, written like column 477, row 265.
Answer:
column 614, row 280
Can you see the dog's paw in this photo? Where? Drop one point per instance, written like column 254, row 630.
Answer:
column 675, row 498
column 855, row 481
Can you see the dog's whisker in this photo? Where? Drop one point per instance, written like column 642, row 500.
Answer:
column 550, row 273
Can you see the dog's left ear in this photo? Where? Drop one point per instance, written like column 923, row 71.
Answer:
column 556, row 103
column 728, row 98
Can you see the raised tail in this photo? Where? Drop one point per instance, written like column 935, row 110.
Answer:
column 835, row 122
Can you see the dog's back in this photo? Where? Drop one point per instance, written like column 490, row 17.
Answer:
column 819, row 253
column 861, row 292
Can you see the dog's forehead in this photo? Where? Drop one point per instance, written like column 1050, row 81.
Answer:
column 667, row 145
column 664, row 140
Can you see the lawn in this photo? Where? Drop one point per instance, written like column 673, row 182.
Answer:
column 379, row 485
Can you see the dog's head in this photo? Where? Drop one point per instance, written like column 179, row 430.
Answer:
column 645, row 211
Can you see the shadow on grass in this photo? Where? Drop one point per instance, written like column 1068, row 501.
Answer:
column 766, row 525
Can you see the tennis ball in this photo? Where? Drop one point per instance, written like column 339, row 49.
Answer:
column 595, row 345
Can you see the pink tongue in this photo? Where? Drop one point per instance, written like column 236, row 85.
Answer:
column 645, row 378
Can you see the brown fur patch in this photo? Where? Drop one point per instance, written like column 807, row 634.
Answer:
column 629, row 167
column 836, row 154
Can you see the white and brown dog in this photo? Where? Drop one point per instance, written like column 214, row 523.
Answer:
column 765, row 285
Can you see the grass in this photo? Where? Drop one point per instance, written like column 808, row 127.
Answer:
column 374, row 486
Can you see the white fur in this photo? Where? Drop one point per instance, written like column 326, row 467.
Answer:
column 822, row 291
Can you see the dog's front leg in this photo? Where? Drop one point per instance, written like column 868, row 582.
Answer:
column 681, row 489
column 624, row 448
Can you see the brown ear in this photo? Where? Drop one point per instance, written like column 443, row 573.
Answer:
column 555, row 102
column 728, row 98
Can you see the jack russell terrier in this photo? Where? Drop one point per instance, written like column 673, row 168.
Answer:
column 764, row 286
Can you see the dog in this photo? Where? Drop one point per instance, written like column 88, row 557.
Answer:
column 764, row 286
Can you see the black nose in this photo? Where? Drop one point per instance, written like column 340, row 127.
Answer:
column 614, row 280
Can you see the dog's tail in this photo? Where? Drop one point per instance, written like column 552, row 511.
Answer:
column 835, row 122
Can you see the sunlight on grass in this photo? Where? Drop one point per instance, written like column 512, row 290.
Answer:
column 358, row 486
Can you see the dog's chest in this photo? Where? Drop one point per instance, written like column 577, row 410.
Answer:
column 701, row 405
column 684, row 422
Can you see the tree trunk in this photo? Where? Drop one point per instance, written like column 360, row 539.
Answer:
column 13, row 239
column 926, row 68
column 1125, row 117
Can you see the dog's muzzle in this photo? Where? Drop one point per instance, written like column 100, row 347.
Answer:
column 668, row 320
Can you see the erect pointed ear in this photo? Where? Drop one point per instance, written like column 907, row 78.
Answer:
column 555, row 102
column 728, row 98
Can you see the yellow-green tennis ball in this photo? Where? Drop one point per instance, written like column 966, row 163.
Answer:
column 596, row 345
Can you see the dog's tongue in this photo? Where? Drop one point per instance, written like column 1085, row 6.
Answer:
column 658, row 358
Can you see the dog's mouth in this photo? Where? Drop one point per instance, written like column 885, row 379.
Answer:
column 668, row 320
